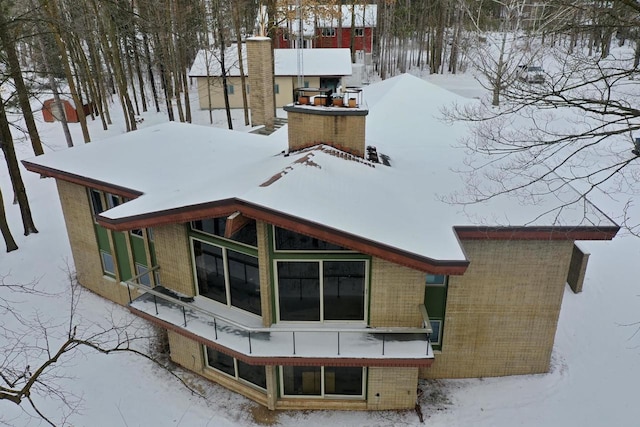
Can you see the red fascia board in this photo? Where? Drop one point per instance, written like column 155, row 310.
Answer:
column 284, row 360
column 81, row 180
column 537, row 233
column 299, row 225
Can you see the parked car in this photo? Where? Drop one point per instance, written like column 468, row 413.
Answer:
column 531, row 74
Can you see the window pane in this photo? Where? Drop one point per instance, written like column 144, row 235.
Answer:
column 291, row 241
column 299, row 291
column 343, row 381
column 210, row 271
column 343, row 287
column 96, row 202
column 435, row 279
column 213, row 226
column 254, row 374
column 301, row 380
column 112, row 200
column 146, row 279
column 108, row 264
column 247, row 234
column 435, row 335
column 244, row 281
column 220, row 361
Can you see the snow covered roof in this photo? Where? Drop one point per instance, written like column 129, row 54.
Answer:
column 316, row 62
column 323, row 16
column 191, row 171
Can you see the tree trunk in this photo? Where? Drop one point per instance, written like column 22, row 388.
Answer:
column 6, row 143
column 16, row 74
column 4, row 228
column 245, row 104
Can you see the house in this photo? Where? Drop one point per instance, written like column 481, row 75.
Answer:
column 318, row 267
column 327, row 26
column 321, row 68
column 51, row 112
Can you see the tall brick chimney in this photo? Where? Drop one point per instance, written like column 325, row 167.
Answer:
column 262, row 98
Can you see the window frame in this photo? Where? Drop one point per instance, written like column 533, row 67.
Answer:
column 305, row 251
column 225, row 261
column 328, row 31
column 444, row 284
column 236, row 376
column 230, row 89
column 104, row 266
column 323, row 394
column 359, row 31
column 320, row 262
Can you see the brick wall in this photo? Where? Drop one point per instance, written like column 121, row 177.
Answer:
column 501, row 315
column 78, row 219
column 338, row 130
column 395, row 295
column 266, row 287
column 260, row 70
column 392, row 388
column 173, row 255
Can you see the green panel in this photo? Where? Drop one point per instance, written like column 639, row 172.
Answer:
column 137, row 247
column 103, row 238
column 435, row 298
column 152, row 251
column 122, row 255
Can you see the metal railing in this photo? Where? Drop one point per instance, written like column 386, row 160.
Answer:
column 299, row 340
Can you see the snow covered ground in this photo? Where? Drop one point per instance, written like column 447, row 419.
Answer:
column 593, row 381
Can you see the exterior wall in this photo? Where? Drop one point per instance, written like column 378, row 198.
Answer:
column 260, row 71
column 84, row 247
column 360, row 43
column 577, row 269
column 217, row 93
column 501, row 316
column 173, row 257
column 285, row 90
column 395, row 295
column 339, row 130
column 392, row 388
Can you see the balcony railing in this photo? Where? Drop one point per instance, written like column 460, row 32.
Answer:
column 245, row 334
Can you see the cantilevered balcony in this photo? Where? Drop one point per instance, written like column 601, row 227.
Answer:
column 243, row 336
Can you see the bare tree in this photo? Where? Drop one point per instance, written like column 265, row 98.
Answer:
column 32, row 351
column 577, row 130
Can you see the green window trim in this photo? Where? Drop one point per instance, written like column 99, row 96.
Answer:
column 435, row 301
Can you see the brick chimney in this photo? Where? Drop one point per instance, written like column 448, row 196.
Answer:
column 262, row 98
column 340, row 127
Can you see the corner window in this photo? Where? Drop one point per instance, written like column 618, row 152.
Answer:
column 227, row 276
column 322, row 381
column 252, row 374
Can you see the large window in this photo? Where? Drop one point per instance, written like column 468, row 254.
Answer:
column 252, row 374
column 322, row 381
column 227, row 276
column 321, row 290
column 435, row 301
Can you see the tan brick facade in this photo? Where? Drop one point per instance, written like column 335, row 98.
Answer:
column 501, row 316
column 84, row 246
column 260, row 65
column 395, row 294
column 173, row 255
column 392, row 388
column 339, row 130
column 266, row 287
